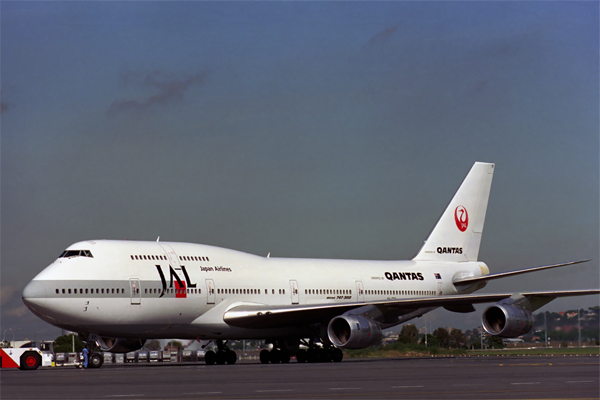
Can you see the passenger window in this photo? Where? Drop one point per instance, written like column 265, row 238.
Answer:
column 56, row 291
column 69, row 291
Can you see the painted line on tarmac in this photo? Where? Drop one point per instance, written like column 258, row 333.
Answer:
column 580, row 381
column 348, row 388
column 405, row 387
column 526, row 383
column 205, row 393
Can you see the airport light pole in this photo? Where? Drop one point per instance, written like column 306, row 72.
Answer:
column 14, row 335
column 579, row 325
column 545, row 330
column 481, row 337
column 4, row 335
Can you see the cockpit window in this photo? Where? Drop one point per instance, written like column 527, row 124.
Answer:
column 76, row 253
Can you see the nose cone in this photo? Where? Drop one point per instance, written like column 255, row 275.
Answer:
column 34, row 294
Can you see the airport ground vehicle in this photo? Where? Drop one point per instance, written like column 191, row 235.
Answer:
column 30, row 356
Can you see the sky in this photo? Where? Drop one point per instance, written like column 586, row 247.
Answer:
column 303, row 129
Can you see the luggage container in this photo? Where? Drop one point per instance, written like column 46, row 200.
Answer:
column 131, row 357
column 155, row 356
column 143, row 356
column 186, row 355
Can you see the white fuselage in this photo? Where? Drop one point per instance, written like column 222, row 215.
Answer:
column 182, row 290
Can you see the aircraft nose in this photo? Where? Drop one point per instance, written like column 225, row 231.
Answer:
column 34, row 294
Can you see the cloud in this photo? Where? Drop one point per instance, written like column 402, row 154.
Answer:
column 169, row 89
column 16, row 311
column 6, row 293
column 382, row 36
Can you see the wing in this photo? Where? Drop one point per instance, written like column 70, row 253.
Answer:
column 264, row 316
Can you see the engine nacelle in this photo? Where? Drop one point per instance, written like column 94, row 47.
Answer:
column 119, row 345
column 353, row 332
column 506, row 320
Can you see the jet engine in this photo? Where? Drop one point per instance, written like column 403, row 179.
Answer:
column 353, row 332
column 507, row 320
column 119, row 345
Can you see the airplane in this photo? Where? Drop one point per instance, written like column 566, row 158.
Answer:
column 118, row 294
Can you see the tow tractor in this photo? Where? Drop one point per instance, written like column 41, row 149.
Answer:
column 29, row 356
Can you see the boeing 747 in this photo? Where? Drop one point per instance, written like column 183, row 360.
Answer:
column 118, row 294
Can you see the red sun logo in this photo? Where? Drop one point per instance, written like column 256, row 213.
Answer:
column 461, row 218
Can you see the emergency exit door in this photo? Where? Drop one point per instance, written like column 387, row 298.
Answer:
column 210, row 291
column 360, row 292
column 294, row 289
column 136, row 295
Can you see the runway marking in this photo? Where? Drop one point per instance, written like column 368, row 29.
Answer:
column 274, row 390
column 519, row 365
column 205, row 393
column 526, row 383
column 404, row 387
column 468, row 384
column 579, row 381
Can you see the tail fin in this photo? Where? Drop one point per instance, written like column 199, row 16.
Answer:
column 457, row 234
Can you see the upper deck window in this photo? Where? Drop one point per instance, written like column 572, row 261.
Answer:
column 76, row 253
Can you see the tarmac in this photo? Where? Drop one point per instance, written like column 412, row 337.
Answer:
column 508, row 377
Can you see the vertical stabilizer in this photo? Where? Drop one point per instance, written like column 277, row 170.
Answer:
column 457, row 234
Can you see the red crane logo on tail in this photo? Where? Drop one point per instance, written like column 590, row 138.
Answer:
column 461, row 218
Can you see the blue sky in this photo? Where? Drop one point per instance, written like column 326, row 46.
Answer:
column 304, row 129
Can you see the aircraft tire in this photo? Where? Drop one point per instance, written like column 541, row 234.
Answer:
column 30, row 360
column 337, row 355
column 284, row 356
column 210, row 357
column 231, row 357
column 95, row 360
column 275, row 356
column 312, row 356
column 264, row 357
column 221, row 357
column 301, row 356
column 323, row 355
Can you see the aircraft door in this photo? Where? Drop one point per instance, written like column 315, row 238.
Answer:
column 136, row 295
column 173, row 259
column 294, row 289
column 360, row 292
column 210, row 291
column 440, row 291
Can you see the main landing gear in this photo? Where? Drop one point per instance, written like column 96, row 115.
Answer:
column 222, row 356
column 314, row 354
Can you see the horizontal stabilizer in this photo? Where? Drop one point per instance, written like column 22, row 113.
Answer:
column 485, row 278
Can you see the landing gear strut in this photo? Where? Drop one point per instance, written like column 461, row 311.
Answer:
column 222, row 356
